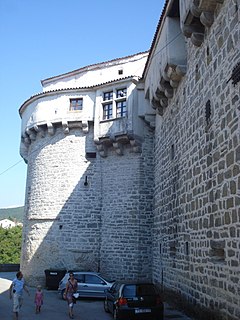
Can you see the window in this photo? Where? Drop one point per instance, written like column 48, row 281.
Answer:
column 91, row 155
column 108, row 95
column 121, row 108
column 93, row 279
column 76, row 104
column 107, row 111
column 114, row 104
column 208, row 111
column 121, row 93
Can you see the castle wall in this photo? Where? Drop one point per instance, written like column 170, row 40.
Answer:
column 197, row 176
column 127, row 212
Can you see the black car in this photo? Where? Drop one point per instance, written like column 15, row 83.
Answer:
column 134, row 300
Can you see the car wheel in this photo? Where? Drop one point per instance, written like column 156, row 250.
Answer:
column 106, row 306
column 115, row 315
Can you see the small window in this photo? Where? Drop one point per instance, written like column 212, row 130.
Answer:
column 121, row 93
column 107, row 96
column 186, row 248
column 76, row 104
column 172, row 152
column 120, row 71
column 107, row 111
column 90, row 155
column 208, row 111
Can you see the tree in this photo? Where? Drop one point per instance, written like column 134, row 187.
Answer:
column 10, row 245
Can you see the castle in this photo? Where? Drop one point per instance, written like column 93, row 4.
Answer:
column 134, row 163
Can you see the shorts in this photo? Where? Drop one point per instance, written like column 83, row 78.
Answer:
column 17, row 302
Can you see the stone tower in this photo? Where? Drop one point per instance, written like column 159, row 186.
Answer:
column 89, row 192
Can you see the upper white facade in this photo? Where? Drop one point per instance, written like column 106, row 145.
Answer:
column 108, row 96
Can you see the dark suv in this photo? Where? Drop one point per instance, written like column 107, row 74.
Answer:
column 134, row 300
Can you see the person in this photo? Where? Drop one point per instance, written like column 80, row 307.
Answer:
column 71, row 288
column 16, row 292
column 38, row 299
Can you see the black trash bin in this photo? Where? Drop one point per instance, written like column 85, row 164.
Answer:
column 53, row 277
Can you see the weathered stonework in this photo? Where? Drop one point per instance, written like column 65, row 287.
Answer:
column 155, row 193
column 197, row 170
column 90, row 181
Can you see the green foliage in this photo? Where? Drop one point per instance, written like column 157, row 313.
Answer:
column 10, row 245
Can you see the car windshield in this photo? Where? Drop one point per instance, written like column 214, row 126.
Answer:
column 135, row 290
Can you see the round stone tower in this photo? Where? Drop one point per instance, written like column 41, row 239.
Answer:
column 87, row 140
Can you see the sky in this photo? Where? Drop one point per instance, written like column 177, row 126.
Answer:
column 40, row 39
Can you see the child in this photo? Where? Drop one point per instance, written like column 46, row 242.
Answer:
column 38, row 299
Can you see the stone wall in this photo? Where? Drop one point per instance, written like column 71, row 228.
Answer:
column 197, row 181
column 127, row 186
column 87, row 213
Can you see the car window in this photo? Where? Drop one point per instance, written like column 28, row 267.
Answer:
column 79, row 277
column 89, row 278
column 133, row 290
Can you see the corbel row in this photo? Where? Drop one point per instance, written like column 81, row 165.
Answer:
column 49, row 128
column 198, row 15
column 169, row 81
column 117, row 143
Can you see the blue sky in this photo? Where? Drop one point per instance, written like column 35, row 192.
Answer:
column 45, row 38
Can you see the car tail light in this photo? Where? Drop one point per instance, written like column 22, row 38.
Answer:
column 122, row 301
column 158, row 300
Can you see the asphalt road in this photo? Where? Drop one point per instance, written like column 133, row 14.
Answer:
column 56, row 309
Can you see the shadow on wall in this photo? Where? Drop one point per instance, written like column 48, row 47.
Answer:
column 74, row 197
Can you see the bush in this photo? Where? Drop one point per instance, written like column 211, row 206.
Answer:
column 10, row 248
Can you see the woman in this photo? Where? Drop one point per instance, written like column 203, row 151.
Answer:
column 71, row 288
column 16, row 292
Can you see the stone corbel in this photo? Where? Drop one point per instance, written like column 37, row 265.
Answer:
column 50, row 128
column 175, row 73
column 118, row 147
column 158, row 94
column 207, row 19
column 31, row 134
column 26, row 139
column 41, row 132
column 102, row 150
column 209, row 5
column 194, row 9
column 154, row 103
column 197, row 38
column 181, row 70
column 85, row 127
column 159, row 104
column 65, row 127
column 136, row 146
column 166, row 88
column 163, row 102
